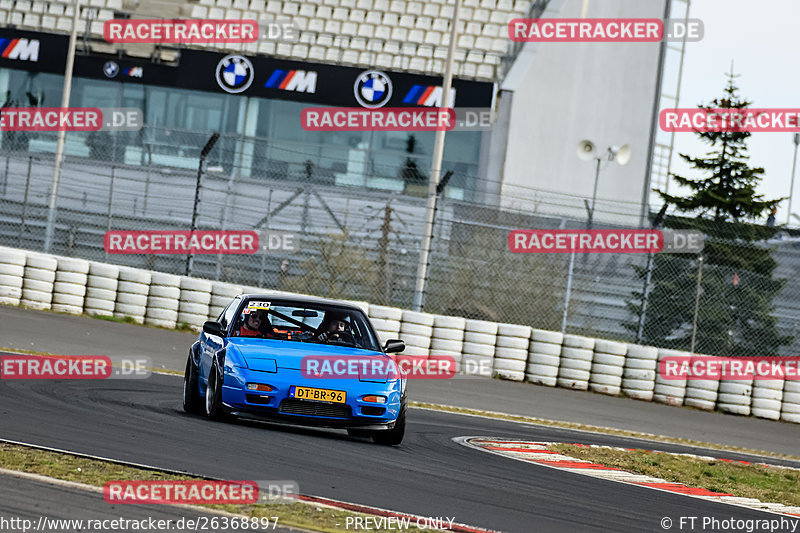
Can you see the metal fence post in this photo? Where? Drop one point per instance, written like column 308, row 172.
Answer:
column 645, row 296
column 568, row 292
column 697, row 300
column 110, row 204
column 261, row 245
column 25, row 200
column 5, row 177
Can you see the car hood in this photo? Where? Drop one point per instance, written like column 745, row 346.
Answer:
column 259, row 353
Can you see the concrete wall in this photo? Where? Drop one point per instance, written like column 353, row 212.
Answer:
column 564, row 92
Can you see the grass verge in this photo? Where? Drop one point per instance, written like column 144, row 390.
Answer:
column 599, row 429
column 96, row 472
column 768, row 484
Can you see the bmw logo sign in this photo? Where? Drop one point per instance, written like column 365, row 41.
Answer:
column 111, row 69
column 373, row 89
column 234, row 73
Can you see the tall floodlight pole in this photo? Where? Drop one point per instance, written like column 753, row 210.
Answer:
column 65, row 94
column 203, row 155
column 436, row 169
column 794, row 168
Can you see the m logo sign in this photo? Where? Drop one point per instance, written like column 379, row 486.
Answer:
column 19, row 49
column 293, row 80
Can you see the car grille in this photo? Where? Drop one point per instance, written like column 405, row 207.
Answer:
column 300, row 407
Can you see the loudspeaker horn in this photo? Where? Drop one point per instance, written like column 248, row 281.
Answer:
column 586, row 150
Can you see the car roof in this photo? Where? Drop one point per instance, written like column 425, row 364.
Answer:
column 302, row 299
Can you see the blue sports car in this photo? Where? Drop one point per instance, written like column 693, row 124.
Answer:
column 273, row 357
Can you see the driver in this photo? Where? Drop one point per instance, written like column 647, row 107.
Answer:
column 255, row 325
column 336, row 329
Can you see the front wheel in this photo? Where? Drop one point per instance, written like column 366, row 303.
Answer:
column 192, row 403
column 214, row 409
column 394, row 436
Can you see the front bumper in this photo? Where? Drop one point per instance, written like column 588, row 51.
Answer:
column 276, row 405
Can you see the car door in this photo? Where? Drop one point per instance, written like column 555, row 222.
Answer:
column 211, row 344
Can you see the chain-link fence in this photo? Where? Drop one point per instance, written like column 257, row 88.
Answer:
column 361, row 242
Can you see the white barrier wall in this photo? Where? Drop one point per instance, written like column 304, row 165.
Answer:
column 669, row 391
column 734, row 396
column 101, row 289
column 544, row 357
column 416, row 329
column 509, row 351
column 447, row 340
column 69, row 289
column 132, row 291
column 221, row 295
column 701, row 393
column 37, row 283
column 195, row 301
column 608, row 365
column 767, row 398
column 480, row 337
column 576, row 362
column 12, row 273
column 639, row 376
column 163, row 300
column 386, row 321
column 790, row 404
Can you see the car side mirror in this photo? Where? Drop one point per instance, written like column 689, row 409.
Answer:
column 394, row 346
column 212, row 327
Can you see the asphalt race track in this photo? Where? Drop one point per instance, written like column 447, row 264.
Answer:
column 430, row 475
column 22, row 329
column 142, row 421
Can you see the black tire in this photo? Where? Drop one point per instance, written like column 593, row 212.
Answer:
column 394, row 436
column 213, row 403
column 192, row 402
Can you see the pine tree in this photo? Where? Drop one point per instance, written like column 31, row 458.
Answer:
column 737, row 288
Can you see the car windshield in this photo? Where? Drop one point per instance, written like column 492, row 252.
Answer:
column 303, row 322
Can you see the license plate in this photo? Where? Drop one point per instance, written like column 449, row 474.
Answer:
column 320, row 395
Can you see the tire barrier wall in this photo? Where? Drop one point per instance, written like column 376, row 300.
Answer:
column 447, row 340
column 608, row 365
column 69, row 289
column 477, row 356
column 639, row 375
column 544, row 357
column 576, row 362
column 511, row 351
column 508, row 351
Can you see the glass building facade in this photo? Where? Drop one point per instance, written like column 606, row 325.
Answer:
column 261, row 136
